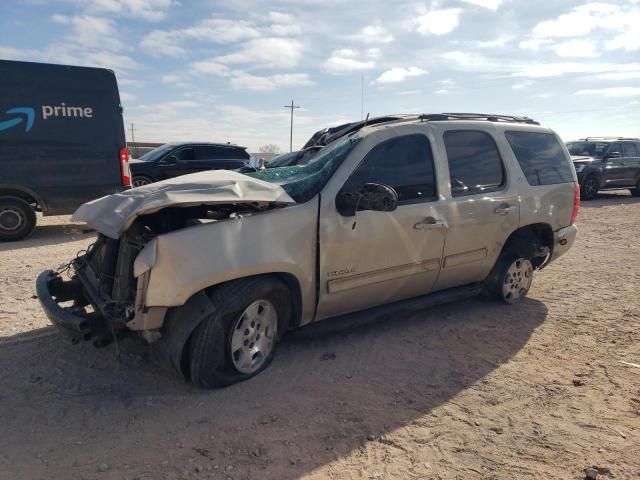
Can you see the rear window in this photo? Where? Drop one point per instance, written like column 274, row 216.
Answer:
column 541, row 157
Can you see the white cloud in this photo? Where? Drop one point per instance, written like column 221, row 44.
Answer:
column 442, row 91
column 409, row 92
column 628, row 41
column 576, row 48
column 399, row 74
column 127, row 97
column 545, row 70
column 284, row 24
column 266, row 53
column 57, row 18
column 471, row 61
column 630, row 75
column 439, row 22
column 211, row 67
column 373, row 34
column 611, row 92
column 243, row 80
column 171, row 78
column 580, row 21
column 534, row 44
column 348, row 60
column 490, row 4
column 161, row 43
column 150, row 10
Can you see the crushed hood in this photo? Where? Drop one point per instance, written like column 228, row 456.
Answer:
column 113, row 214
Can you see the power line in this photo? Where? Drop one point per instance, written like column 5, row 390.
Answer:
column 292, row 107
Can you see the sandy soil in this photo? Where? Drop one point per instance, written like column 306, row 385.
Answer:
column 466, row 391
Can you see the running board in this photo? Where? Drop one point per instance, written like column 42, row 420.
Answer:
column 402, row 307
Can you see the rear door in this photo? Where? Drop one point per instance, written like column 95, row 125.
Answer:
column 615, row 171
column 631, row 159
column 482, row 207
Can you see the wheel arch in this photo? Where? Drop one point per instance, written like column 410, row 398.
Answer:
column 172, row 350
column 25, row 194
column 533, row 241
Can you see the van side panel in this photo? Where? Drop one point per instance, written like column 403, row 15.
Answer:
column 61, row 130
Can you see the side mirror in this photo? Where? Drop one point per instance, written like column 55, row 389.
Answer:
column 371, row 196
column 170, row 160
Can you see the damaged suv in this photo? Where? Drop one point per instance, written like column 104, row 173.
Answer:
column 213, row 268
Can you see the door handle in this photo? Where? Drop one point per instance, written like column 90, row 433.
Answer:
column 430, row 223
column 505, row 209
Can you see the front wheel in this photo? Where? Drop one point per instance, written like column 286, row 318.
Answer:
column 238, row 340
column 589, row 188
column 510, row 279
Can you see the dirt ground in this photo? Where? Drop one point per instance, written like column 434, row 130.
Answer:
column 464, row 391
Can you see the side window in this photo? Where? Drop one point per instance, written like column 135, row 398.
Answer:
column 206, row 152
column 541, row 157
column 404, row 163
column 614, row 147
column 237, row 154
column 629, row 150
column 474, row 162
column 188, row 153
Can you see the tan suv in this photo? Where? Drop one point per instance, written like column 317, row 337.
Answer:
column 213, row 268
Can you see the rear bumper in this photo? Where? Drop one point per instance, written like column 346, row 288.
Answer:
column 74, row 320
column 563, row 240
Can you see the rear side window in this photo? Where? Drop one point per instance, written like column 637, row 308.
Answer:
column 474, row 162
column 541, row 157
column 629, row 150
column 188, row 153
column 404, row 163
column 236, row 153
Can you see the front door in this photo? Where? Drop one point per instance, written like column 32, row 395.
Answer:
column 376, row 257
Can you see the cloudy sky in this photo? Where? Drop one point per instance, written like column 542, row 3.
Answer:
column 223, row 70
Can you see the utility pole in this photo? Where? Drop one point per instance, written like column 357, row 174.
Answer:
column 292, row 107
column 133, row 140
column 362, row 98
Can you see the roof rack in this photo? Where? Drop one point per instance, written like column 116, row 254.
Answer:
column 588, row 139
column 487, row 117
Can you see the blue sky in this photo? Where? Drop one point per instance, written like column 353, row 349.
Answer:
column 223, row 70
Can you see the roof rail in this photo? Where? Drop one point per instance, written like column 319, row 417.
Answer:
column 487, row 117
column 588, row 139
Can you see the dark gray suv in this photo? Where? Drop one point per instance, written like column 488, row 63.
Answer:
column 604, row 163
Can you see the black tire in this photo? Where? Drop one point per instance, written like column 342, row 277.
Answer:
column 210, row 358
column 141, row 179
column 500, row 277
column 17, row 219
column 589, row 188
column 636, row 191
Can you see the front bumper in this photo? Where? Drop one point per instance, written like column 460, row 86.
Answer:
column 563, row 240
column 52, row 290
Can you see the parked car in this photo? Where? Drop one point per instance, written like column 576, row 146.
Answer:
column 175, row 159
column 400, row 215
column 605, row 163
column 62, row 141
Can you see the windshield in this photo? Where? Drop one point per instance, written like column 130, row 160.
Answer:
column 157, row 152
column 303, row 182
column 587, row 149
column 284, row 160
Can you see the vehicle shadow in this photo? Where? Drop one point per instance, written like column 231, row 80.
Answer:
column 67, row 409
column 610, row 198
column 45, row 235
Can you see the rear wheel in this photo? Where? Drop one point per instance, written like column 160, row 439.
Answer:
column 589, row 188
column 141, row 180
column 636, row 191
column 17, row 219
column 510, row 279
column 238, row 339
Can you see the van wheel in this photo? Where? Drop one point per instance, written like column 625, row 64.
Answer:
column 510, row 279
column 238, row 339
column 140, row 180
column 589, row 188
column 17, row 219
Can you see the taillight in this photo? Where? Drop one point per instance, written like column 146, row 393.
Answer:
column 125, row 172
column 576, row 202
